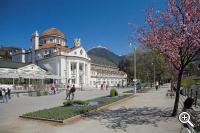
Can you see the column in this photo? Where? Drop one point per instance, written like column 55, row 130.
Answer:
column 84, row 74
column 88, row 73
column 69, row 71
column 77, row 73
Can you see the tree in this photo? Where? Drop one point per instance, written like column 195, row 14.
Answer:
column 145, row 68
column 175, row 33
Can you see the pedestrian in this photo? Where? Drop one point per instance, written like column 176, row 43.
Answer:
column 157, row 84
column 53, row 89
column 187, row 107
column 72, row 91
column 67, row 93
column 101, row 86
column 1, row 97
column 188, row 104
column 9, row 91
column 118, row 85
column 106, row 86
column 4, row 95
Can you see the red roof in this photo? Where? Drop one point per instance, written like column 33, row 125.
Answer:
column 53, row 32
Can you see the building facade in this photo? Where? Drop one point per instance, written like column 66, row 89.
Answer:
column 73, row 65
column 106, row 75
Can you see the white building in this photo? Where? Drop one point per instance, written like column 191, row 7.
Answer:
column 72, row 65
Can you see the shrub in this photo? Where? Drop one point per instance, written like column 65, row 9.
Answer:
column 113, row 93
column 67, row 103
column 80, row 102
column 187, row 82
column 70, row 102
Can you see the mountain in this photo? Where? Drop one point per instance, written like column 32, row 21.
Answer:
column 102, row 55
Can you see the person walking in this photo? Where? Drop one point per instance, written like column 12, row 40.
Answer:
column 3, row 95
column 9, row 91
column 6, row 94
column 157, row 84
column 107, row 86
column 72, row 91
column 101, row 86
column 53, row 89
column 67, row 93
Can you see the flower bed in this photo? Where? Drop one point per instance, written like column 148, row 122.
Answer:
column 69, row 109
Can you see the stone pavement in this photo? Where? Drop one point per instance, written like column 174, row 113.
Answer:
column 145, row 113
column 9, row 112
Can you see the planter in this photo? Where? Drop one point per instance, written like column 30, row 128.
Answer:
column 77, row 113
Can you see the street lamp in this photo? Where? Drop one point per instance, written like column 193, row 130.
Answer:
column 154, row 73
column 135, row 79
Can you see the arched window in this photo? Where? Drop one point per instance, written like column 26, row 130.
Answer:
column 81, row 52
column 57, row 41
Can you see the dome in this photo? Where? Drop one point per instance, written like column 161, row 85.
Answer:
column 53, row 32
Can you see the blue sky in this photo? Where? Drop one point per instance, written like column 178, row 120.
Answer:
column 96, row 22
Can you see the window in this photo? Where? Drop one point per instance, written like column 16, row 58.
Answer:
column 73, row 66
column 81, row 67
column 81, row 52
column 49, row 51
column 73, row 81
column 45, row 52
column 51, row 40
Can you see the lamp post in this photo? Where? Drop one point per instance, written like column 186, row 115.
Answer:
column 135, row 79
column 154, row 73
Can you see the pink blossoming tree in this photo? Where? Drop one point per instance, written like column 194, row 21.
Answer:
column 175, row 33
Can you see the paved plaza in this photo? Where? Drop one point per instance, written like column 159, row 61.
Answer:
column 145, row 113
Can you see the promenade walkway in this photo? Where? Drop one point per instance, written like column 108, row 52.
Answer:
column 145, row 113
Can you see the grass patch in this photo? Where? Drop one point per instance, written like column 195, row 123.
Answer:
column 60, row 113
column 67, row 111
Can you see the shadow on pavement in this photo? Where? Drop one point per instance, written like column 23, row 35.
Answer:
column 121, row 118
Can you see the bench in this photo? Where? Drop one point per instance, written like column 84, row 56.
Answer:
column 170, row 93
